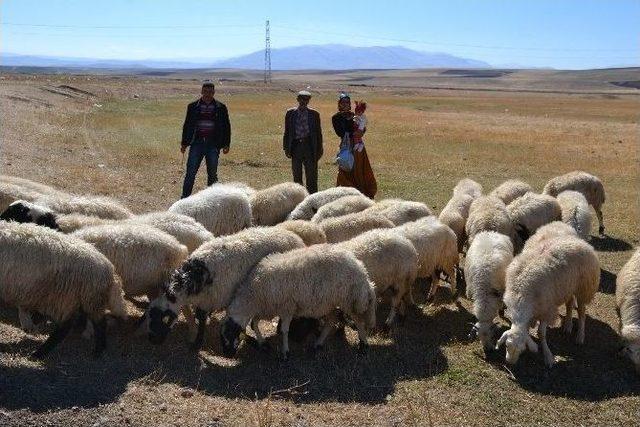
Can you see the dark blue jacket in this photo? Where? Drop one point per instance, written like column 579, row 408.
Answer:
column 221, row 132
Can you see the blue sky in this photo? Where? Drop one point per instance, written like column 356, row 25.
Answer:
column 537, row 33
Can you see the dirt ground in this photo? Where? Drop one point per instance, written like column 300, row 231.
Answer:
column 118, row 136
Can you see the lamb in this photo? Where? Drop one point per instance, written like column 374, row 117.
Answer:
column 220, row 208
column 310, row 282
column 510, row 190
column 628, row 308
column 391, row 262
column 468, row 186
column 143, row 256
column 310, row 205
column 59, row 276
column 185, row 229
column 343, row 206
column 531, row 211
column 485, row 267
column 455, row 214
column 575, row 212
column 310, row 233
column 437, row 249
column 209, row 277
column 345, row 227
column 400, row 211
column 589, row 185
column 272, row 205
column 554, row 272
column 488, row 213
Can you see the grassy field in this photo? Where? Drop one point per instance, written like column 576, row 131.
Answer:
column 420, row 143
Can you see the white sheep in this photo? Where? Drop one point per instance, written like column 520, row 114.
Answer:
column 220, row 208
column 437, row 248
column 11, row 193
column 531, row 211
column 549, row 231
column 310, row 205
column 345, row 227
column 100, row 206
column 575, row 212
column 399, row 211
column 208, row 279
column 468, row 186
column 510, row 190
column 589, row 185
column 309, row 232
column 628, row 307
column 184, row 228
column 488, row 213
column 311, row 282
column 143, row 256
column 242, row 186
column 43, row 271
column 27, row 184
column 455, row 214
column 272, row 205
column 554, row 272
column 343, row 206
column 391, row 262
column 485, row 267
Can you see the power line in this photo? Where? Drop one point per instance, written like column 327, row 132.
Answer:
column 13, row 24
column 160, row 36
column 303, row 30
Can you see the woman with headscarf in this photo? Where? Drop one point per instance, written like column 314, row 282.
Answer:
column 361, row 175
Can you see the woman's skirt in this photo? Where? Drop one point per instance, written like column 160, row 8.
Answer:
column 361, row 176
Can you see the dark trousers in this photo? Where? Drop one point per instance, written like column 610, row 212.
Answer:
column 197, row 152
column 302, row 154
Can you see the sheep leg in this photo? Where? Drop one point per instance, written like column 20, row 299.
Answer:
column 567, row 322
column 190, row 319
column 362, row 336
column 600, row 221
column 452, row 280
column 326, row 329
column 99, row 336
column 54, row 339
column 435, row 279
column 201, row 316
column 26, row 321
column 284, row 327
column 549, row 360
column 582, row 317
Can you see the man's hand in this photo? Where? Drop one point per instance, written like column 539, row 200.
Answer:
column 225, row 150
column 183, row 148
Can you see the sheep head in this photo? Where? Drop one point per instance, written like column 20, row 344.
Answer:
column 231, row 334
column 516, row 341
column 25, row 212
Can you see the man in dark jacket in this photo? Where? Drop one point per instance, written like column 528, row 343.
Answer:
column 206, row 131
column 302, row 141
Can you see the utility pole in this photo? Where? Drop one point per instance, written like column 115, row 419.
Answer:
column 267, row 56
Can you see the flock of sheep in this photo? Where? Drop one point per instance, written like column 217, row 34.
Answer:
column 312, row 260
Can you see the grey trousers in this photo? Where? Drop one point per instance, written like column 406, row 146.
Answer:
column 302, row 154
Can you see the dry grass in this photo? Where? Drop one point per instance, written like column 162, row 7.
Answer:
column 420, row 144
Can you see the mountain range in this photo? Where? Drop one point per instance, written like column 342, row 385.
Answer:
column 307, row 57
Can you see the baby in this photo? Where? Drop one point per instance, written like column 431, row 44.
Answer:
column 359, row 125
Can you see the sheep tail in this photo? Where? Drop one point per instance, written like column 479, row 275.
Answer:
column 117, row 305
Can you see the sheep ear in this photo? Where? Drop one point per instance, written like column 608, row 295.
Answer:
column 502, row 340
column 531, row 344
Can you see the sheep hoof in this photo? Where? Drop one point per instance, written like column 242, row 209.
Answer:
column 362, row 348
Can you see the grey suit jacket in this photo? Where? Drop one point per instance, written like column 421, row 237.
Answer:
column 315, row 131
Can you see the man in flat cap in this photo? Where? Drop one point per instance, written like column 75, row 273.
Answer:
column 302, row 141
column 206, row 131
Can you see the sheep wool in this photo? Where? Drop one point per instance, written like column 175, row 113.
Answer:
column 549, row 231
column 310, row 282
column 468, row 186
column 345, row 227
column 455, row 214
column 57, row 275
column 400, row 211
column 222, row 209
column 575, row 212
column 628, row 305
column 310, row 205
column 272, row 205
column 185, row 229
column 343, row 206
column 589, row 185
column 510, row 190
column 488, row 213
column 309, row 232
column 143, row 256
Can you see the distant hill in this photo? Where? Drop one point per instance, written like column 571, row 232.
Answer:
column 309, row 57
column 344, row 57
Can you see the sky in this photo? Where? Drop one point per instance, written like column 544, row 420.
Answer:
column 564, row 34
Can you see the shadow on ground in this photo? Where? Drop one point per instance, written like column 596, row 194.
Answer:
column 72, row 377
column 607, row 282
column 609, row 244
column 592, row 372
